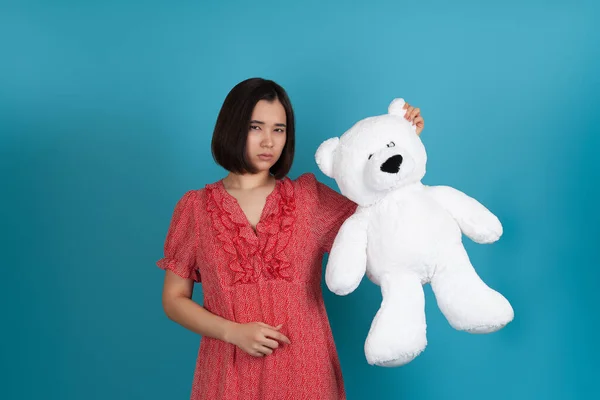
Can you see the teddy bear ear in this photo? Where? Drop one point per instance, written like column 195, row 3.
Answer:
column 324, row 155
column 395, row 107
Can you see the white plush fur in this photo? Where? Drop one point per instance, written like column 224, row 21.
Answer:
column 405, row 234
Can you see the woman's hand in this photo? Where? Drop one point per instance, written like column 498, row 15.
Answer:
column 256, row 338
column 414, row 115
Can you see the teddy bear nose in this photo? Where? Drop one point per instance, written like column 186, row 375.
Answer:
column 392, row 164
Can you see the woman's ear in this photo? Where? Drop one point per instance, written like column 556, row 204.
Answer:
column 324, row 155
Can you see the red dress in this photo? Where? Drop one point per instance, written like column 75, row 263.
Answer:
column 271, row 276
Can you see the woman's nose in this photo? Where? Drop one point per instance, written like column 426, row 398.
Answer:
column 267, row 140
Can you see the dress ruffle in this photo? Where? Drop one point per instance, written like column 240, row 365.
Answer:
column 254, row 255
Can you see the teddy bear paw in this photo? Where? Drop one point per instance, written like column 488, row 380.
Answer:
column 489, row 230
column 393, row 354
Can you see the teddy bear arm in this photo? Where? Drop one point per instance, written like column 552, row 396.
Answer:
column 347, row 261
column 473, row 218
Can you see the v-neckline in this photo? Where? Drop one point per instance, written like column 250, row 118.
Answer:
column 254, row 229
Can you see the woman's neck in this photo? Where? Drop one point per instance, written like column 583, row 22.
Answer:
column 247, row 181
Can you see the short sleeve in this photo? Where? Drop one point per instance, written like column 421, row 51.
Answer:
column 181, row 243
column 331, row 209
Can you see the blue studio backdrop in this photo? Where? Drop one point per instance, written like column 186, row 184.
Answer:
column 106, row 115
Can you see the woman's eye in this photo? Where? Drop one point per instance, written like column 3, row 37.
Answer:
column 254, row 127
column 370, row 155
column 279, row 130
column 391, row 144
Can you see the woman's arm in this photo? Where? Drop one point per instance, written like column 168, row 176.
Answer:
column 179, row 307
column 256, row 338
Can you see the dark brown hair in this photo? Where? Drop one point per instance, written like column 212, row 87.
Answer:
column 231, row 129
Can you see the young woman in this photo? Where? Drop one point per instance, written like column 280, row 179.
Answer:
column 255, row 240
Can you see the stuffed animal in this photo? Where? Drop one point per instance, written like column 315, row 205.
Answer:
column 405, row 234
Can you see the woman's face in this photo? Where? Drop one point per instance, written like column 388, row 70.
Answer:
column 266, row 134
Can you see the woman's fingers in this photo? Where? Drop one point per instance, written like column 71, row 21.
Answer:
column 269, row 326
column 263, row 350
column 270, row 343
column 272, row 332
column 415, row 113
column 266, row 340
column 276, row 335
column 420, row 124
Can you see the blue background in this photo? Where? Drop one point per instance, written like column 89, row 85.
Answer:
column 106, row 115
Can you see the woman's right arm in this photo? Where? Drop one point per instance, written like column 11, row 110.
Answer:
column 255, row 338
column 179, row 307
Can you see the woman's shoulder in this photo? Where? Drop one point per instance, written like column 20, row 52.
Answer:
column 306, row 180
column 305, row 185
column 309, row 188
column 191, row 198
column 202, row 192
column 194, row 194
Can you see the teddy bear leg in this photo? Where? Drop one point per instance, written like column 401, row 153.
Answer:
column 465, row 300
column 398, row 331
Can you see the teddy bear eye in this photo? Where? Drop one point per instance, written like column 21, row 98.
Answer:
column 370, row 155
column 391, row 144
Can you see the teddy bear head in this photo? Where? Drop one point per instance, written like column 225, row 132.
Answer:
column 376, row 155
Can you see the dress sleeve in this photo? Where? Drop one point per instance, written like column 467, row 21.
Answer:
column 182, row 239
column 331, row 209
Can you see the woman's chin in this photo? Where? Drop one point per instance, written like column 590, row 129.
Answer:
column 262, row 167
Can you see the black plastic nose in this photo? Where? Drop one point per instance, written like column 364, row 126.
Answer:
column 392, row 164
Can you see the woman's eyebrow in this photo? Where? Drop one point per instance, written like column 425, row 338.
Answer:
column 255, row 121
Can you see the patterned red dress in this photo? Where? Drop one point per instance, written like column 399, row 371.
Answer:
column 273, row 276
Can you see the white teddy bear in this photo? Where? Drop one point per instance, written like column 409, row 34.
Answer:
column 405, row 234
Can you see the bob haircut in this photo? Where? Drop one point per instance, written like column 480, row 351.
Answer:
column 233, row 123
